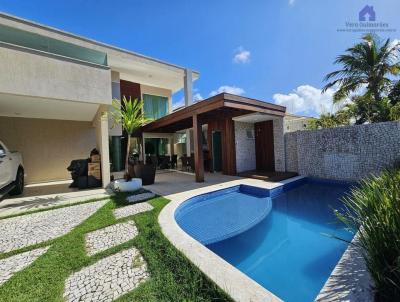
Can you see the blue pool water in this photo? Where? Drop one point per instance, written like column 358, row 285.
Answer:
column 288, row 249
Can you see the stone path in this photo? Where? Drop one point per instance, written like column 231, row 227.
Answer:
column 132, row 210
column 140, row 197
column 22, row 231
column 103, row 239
column 9, row 266
column 107, row 279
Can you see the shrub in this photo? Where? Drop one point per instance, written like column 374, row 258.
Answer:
column 374, row 210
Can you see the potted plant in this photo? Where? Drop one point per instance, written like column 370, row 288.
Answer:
column 130, row 116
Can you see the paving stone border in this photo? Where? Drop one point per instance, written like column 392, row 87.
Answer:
column 22, row 231
column 132, row 210
column 107, row 279
column 9, row 266
column 140, row 197
column 103, row 239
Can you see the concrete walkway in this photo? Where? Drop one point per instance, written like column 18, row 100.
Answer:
column 47, row 195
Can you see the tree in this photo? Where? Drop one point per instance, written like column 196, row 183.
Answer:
column 367, row 63
column 394, row 94
column 130, row 116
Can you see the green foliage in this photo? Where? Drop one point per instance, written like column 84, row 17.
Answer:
column 395, row 112
column 394, row 94
column 328, row 120
column 374, row 210
column 367, row 63
column 129, row 114
column 173, row 277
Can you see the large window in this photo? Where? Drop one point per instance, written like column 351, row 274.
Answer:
column 155, row 106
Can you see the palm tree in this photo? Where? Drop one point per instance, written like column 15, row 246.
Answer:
column 367, row 63
column 130, row 116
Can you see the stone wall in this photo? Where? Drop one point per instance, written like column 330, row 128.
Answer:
column 245, row 147
column 291, row 152
column 344, row 153
column 279, row 145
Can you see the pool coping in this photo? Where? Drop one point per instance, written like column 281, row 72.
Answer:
column 236, row 284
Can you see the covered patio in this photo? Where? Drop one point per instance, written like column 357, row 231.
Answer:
column 213, row 122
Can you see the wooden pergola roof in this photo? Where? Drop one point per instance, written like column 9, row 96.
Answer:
column 221, row 105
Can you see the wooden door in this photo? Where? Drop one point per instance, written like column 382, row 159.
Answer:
column 264, row 143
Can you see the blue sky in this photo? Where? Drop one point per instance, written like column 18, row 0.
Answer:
column 282, row 48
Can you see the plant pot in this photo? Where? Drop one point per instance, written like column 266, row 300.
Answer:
column 122, row 185
column 146, row 173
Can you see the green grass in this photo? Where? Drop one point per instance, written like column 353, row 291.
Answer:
column 173, row 277
column 374, row 210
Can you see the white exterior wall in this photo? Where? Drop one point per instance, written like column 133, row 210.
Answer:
column 245, row 148
column 30, row 74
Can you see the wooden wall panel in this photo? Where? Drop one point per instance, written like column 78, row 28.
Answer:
column 227, row 128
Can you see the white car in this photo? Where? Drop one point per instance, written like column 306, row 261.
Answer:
column 11, row 172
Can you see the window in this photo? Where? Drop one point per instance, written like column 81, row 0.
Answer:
column 155, row 106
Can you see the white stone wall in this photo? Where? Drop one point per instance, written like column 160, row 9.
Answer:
column 245, row 148
column 344, row 153
column 279, row 145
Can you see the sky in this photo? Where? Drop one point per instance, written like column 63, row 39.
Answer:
column 274, row 50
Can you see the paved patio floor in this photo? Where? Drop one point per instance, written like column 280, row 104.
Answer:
column 44, row 195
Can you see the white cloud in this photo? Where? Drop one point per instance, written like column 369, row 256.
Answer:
column 228, row 89
column 196, row 98
column 307, row 100
column 242, row 55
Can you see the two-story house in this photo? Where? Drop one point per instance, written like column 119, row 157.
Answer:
column 56, row 92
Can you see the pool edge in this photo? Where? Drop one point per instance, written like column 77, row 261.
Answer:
column 236, row 284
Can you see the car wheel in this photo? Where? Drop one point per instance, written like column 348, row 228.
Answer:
column 19, row 183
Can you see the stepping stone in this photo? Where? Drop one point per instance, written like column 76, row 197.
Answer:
column 107, row 279
column 140, row 197
column 103, row 239
column 22, row 231
column 132, row 210
column 9, row 266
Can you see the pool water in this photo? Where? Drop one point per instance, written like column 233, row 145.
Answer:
column 291, row 251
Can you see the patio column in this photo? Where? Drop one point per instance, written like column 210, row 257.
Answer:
column 188, row 91
column 198, row 149
column 101, row 124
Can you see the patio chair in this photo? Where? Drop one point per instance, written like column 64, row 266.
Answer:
column 164, row 162
column 185, row 163
column 191, row 163
column 174, row 161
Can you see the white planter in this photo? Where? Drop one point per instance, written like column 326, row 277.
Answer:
column 121, row 185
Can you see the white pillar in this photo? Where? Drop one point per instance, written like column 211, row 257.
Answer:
column 100, row 122
column 188, row 90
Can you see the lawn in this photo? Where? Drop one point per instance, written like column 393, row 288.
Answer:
column 173, row 277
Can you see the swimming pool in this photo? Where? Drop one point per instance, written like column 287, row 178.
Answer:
column 284, row 241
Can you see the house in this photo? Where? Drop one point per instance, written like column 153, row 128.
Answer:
column 56, row 91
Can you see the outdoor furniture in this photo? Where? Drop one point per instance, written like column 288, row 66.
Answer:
column 174, row 161
column 185, row 163
column 191, row 163
column 146, row 172
column 164, row 162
